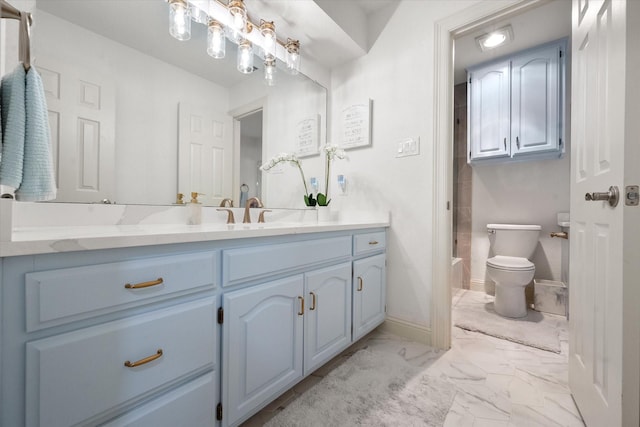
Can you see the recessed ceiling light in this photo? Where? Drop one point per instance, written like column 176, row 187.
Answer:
column 495, row 38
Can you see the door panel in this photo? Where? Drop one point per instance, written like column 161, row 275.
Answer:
column 595, row 356
column 328, row 316
column 205, row 154
column 369, row 298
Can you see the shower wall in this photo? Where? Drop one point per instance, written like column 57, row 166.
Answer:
column 461, row 185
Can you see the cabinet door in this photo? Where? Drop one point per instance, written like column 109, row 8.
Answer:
column 328, row 315
column 369, row 296
column 535, row 106
column 489, row 127
column 262, row 345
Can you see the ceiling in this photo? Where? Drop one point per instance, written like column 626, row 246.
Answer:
column 549, row 22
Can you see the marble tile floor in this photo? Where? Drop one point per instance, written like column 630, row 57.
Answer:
column 499, row 383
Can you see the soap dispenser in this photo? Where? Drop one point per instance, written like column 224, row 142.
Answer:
column 195, row 209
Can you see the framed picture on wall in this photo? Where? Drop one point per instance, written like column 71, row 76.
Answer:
column 307, row 136
column 355, row 122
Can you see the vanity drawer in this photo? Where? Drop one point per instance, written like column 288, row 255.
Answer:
column 73, row 377
column 192, row 404
column 369, row 242
column 257, row 262
column 57, row 297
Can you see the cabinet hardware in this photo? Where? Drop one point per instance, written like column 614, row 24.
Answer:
column 156, row 282
column 145, row 360
column 505, row 144
column 313, row 301
column 518, row 142
column 373, row 242
column 219, row 412
column 360, row 283
column 301, row 312
column 220, row 315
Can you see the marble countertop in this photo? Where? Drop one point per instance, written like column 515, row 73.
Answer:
column 128, row 227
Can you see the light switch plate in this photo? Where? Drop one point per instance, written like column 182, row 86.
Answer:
column 408, row 147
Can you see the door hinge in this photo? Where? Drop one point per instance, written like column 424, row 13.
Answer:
column 560, row 142
column 560, row 54
column 448, row 205
column 469, row 80
column 220, row 316
column 219, row 412
column 385, row 308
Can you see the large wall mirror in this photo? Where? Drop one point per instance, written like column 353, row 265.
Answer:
column 138, row 116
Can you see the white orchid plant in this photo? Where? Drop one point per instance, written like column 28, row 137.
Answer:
column 331, row 152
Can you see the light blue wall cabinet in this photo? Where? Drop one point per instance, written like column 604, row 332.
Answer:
column 490, row 102
column 328, row 314
column 517, row 106
column 369, row 297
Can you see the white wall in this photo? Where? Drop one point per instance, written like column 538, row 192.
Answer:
column 520, row 193
column 397, row 74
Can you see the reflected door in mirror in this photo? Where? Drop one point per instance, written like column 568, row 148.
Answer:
column 205, row 153
column 81, row 106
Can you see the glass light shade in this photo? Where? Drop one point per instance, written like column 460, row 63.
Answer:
column 270, row 72
column 268, row 31
column 245, row 57
column 293, row 56
column 179, row 19
column 198, row 15
column 238, row 19
column 216, row 41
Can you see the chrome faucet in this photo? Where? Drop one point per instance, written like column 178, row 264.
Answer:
column 224, row 203
column 251, row 202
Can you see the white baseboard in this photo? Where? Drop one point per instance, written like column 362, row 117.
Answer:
column 476, row 285
column 411, row 331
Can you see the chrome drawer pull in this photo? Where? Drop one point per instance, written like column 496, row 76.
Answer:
column 159, row 281
column 373, row 242
column 313, row 301
column 145, row 360
column 360, row 283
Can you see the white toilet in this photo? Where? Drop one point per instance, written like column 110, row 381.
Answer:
column 512, row 245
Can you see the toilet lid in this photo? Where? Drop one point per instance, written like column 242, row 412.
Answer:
column 510, row 263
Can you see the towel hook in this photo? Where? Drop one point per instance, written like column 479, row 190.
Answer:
column 26, row 19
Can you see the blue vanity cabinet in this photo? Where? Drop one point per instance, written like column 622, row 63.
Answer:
column 370, row 294
column 117, row 337
column 261, row 345
column 516, row 106
column 327, row 321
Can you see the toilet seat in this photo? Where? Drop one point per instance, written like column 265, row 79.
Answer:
column 510, row 263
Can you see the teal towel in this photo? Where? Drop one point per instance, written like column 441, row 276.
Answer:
column 27, row 161
column 13, row 127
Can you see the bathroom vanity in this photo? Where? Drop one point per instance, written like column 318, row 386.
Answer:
column 194, row 325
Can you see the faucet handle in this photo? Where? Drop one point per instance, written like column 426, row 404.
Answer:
column 261, row 216
column 194, row 196
column 230, row 217
column 180, row 199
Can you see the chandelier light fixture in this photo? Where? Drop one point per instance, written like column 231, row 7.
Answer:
column 231, row 21
column 179, row 19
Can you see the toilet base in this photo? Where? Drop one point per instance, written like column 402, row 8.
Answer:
column 510, row 301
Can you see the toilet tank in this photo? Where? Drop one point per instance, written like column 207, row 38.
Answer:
column 517, row 240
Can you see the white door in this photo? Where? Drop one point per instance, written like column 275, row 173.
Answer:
column 597, row 232
column 81, row 106
column 205, row 154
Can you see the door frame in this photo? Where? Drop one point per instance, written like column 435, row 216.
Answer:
column 237, row 114
column 446, row 31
